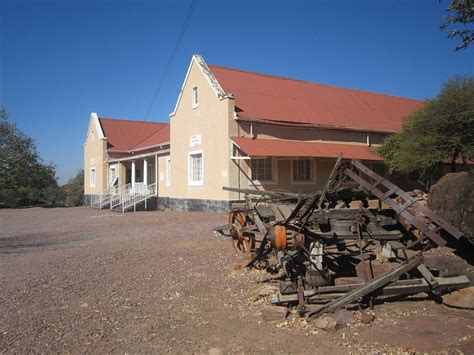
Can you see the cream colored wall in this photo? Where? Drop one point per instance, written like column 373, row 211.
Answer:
column 163, row 190
column 95, row 148
column 122, row 173
column 308, row 134
column 211, row 120
column 321, row 169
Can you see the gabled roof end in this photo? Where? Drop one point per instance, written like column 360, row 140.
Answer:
column 215, row 85
column 94, row 119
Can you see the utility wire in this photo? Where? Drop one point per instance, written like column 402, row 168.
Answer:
column 172, row 55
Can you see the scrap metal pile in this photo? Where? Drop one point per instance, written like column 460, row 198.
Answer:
column 326, row 254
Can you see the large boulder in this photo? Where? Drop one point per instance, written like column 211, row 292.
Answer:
column 453, row 199
column 463, row 298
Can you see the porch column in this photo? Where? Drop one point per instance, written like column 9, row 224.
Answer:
column 133, row 173
column 156, row 175
column 107, row 171
column 145, row 172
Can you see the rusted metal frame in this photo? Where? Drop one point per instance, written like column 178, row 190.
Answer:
column 416, row 242
column 261, row 252
column 456, row 233
column 364, row 266
column 260, row 225
column 315, row 202
column 405, row 214
column 329, row 182
column 318, row 198
column 276, row 210
column 295, row 211
column 332, row 235
column 369, row 287
column 272, row 194
column 388, row 193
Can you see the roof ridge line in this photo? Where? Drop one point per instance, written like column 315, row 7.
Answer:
column 211, row 66
column 131, row 120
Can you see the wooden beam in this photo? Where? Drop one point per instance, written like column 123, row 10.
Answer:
column 370, row 286
column 403, row 287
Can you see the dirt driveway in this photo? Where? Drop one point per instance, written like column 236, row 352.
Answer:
column 81, row 280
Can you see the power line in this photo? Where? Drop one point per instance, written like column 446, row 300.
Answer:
column 172, row 55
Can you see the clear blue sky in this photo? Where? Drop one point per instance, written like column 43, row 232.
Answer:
column 60, row 60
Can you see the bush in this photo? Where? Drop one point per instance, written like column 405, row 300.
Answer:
column 10, row 198
column 25, row 180
column 54, row 196
column 74, row 190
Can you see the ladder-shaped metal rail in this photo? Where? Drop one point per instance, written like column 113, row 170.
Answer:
column 138, row 194
column 383, row 189
column 108, row 196
column 122, row 194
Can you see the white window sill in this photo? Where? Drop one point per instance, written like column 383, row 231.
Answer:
column 195, row 183
column 194, row 106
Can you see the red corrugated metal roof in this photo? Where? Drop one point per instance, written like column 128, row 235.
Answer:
column 127, row 135
column 260, row 96
column 285, row 148
column 157, row 138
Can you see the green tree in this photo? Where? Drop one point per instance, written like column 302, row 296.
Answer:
column 75, row 190
column 441, row 131
column 460, row 18
column 24, row 178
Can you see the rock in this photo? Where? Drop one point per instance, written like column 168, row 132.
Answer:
column 327, row 323
column 215, row 351
column 463, row 298
column 447, row 265
column 342, row 281
column 452, row 198
column 273, row 313
column 366, row 318
column 344, row 316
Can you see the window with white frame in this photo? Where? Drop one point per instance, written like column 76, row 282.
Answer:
column 195, row 170
column 262, row 169
column 92, row 178
column 195, row 98
column 302, row 170
column 168, row 172
column 112, row 175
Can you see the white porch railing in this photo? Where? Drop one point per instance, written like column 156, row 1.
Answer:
column 118, row 198
column 139, row 193
column 124, row 197
column 100, row 201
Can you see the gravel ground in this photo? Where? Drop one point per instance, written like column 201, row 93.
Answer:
column 81, row 280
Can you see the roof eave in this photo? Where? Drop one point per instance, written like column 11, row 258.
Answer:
column 306, row 124
column 131, row 151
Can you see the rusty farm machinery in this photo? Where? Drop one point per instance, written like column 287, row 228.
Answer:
column 326, row 254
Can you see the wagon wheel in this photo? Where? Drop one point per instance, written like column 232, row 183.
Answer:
column 237, row 222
